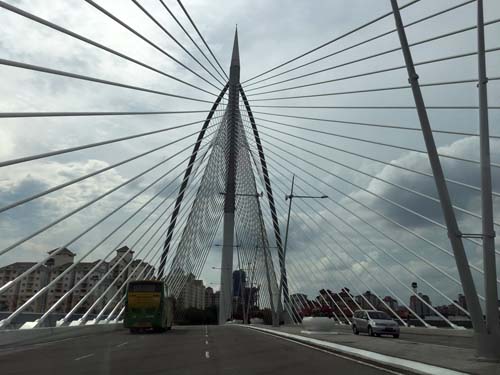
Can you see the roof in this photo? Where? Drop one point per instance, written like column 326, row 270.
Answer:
column 123, row 249
column 63, row 251
column 19, row 264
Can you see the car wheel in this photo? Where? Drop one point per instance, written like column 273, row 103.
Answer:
column 355, row 330
column 370, row 331
column 377, row 334
column 396, row 336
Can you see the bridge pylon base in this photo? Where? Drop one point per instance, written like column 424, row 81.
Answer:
column 487, row 346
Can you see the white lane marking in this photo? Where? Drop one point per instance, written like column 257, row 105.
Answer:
column 405, row 364
column 123, row 343
column 207, row 353
column 85, row 356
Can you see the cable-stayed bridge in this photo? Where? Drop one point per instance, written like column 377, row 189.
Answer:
column 361, row 173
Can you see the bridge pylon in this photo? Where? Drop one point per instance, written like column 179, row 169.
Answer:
column 225, row 303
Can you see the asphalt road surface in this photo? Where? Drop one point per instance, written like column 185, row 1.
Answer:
column 466, row 342
column 184, row 350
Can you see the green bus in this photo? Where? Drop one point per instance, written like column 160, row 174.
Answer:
column 148, row 306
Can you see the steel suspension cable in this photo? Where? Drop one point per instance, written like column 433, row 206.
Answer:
column 176, row 41
column 372, row 176
column 345, row 222
column 155, row 46
column 74, row 211
column 383, row 107
column 378, row 54
column 364, row 42
column 192, row 40
column 378, row 230
column 102, row 113
column 201, row 37
column 345, row 265
column 496, row 165
column 373, row 72
column 361, row 265
column 358, row 123
column 435, row 289
column 348, row 196
column 376, row 89
column 80, row 302
column 92, row 174
column 332, row 299
column 350, row 32
column 91, row 145
column 91, row 42
column 44, row 289
column 390, row 164
column 55, row 305
column 383, row 198
column 20, row 65
column 84, row 317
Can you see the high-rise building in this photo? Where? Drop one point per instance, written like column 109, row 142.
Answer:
column 193, row 294
column 462, row 301
column 209, row 297
column 239, row 280
column 81, row 279
column 391, row 302
column 417, row 304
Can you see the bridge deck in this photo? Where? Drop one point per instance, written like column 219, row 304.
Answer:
column 448, row 349
column 184, row 350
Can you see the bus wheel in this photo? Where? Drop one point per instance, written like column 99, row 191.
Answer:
column 133, row 330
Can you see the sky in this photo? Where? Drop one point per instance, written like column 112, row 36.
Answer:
column 328, row 245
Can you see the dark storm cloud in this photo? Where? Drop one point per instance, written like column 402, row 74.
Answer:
column 456, row 170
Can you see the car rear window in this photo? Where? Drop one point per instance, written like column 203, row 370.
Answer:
column 379, row 315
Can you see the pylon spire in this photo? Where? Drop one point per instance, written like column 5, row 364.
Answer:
column 235, row 58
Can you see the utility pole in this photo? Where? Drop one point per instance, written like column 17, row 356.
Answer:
column 232, row 114
column 283, row 287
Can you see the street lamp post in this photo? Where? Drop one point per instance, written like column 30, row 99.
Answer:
column 283, row 280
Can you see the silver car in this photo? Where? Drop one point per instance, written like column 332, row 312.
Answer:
column 374, row 323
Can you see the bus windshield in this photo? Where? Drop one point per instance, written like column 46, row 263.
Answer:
column 144, row 287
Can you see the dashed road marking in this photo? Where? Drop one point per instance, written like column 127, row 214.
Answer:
column 84, row 356
column 123, row 343
column 207, row 354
